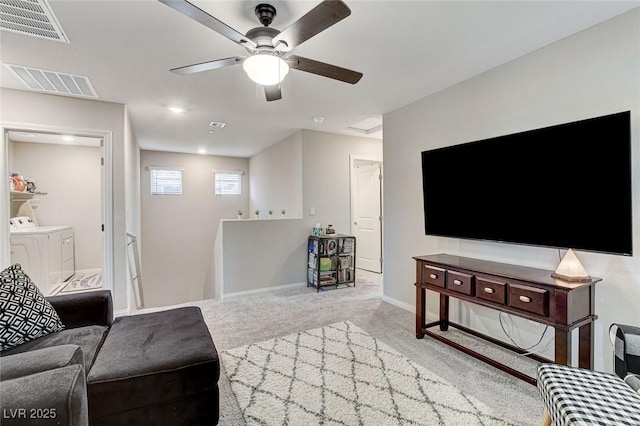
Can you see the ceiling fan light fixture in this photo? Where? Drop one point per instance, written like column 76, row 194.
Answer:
column 266, row 69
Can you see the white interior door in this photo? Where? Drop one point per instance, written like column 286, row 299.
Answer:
column 367, row 216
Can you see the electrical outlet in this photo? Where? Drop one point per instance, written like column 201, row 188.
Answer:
column 312, row 211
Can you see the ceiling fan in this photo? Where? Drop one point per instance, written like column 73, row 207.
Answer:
column 269, row 50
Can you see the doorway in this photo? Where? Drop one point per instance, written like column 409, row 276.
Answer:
column 69, row 169
column 366, row 212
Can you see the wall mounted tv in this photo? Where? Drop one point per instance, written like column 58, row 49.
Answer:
column 565, row 186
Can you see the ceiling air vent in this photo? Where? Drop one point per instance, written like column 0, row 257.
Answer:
column 30, row 17
column 54, row 82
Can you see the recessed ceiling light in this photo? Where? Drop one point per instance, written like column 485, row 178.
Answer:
column 318, row 120
column 202, row 151
column 176, row 110
column 67, row 138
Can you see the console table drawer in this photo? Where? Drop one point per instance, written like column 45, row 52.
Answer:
column 460, row 282
column 492, row 290
column 433, row 275
column 530, row 299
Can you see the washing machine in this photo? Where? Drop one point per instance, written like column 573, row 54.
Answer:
column 46, row 253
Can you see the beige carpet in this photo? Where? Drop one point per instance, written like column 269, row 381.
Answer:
column 240, row 321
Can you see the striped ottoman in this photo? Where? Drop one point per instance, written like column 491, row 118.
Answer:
column 576, row 396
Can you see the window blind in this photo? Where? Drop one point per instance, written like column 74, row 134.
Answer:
column 228, row 183
column 166, row 181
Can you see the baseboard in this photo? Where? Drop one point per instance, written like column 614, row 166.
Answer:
column 408, row 307
column 121, row 313
column 399, row 304
column 225, row 296
column 88, row 271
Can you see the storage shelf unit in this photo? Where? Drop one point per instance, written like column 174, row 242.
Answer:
column 331, row 260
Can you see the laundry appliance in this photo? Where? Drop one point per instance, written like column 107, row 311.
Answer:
column 46, row 253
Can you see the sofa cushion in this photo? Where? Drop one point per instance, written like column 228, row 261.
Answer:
column 53, row 397
column 25, row 314
column 32, row 362
column 89, row 338
column 155, row 359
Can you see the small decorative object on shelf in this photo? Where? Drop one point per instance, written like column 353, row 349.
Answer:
column 240, row 213
column 270, row 213
column 330, row 230
column 317, row 230
column 284, row 212
column 331, row 260
column 257, row 213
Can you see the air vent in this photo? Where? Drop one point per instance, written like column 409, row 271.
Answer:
column 217, row 124
column 30, row 17
column 54, row 82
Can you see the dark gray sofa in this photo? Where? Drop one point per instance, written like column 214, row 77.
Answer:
column 156, row 368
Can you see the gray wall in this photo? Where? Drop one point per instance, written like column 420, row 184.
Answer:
column 276, row 254
column 54, row 111
column 326, row 173
column 276, row 179
column 592, row 73
column 178, row 232
column 71, row 176
column 263, row 253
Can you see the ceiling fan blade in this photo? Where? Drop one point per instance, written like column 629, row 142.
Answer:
column 324, row 69
column 207, row 66
column 316, row 20
column 273, row 93
column 209, row 21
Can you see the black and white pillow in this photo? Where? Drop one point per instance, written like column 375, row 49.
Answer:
column 25, row 314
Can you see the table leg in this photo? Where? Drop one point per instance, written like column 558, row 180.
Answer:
column 420, row 311
column 444, row 312
column 585, row 343
column 563, row 347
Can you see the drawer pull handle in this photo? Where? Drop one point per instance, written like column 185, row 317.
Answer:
column 457, row 282
column 489, row 290
column 433, row 276
column 525, row 299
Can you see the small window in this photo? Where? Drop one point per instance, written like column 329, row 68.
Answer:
column 228, row 183
column 166, row 181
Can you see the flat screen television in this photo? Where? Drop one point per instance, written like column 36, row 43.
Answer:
column 565, row 186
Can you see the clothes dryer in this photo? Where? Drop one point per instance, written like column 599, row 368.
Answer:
column 46, row 253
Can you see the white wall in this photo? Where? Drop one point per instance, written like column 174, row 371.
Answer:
column 71, row 177
column 326, row 171
column 276, row 179
column 178, row 232
column 592, row 73
column 30, row 108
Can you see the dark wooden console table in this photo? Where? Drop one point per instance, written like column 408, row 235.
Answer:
column 522, row 291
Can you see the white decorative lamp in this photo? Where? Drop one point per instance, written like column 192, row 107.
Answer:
column 570, row 269
column 265, row 69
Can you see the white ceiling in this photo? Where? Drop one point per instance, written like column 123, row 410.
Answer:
column 406, row 50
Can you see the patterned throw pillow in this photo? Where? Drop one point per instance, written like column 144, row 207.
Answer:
column 25, row 314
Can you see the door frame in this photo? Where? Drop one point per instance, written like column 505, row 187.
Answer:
column 107, row 189
column 374, row 159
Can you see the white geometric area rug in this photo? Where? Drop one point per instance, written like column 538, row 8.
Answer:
column 340, row 375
